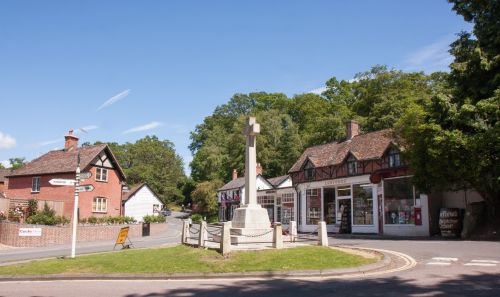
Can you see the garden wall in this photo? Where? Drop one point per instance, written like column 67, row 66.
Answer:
column 52, row 235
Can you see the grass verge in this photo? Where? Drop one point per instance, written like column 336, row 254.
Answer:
column 182, row 259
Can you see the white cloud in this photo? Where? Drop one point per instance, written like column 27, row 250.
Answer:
column 318, row 91
column 45, row 143
column 6, row 141
column 86, row 129
column 432, row 57
column 5, row 163
column 115, row 99
column 146, row 127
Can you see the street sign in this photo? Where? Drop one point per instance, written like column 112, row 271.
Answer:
column 85, row 188
column 62, row 182
column 85, row 175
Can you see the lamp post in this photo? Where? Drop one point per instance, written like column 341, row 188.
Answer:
column 75, row 208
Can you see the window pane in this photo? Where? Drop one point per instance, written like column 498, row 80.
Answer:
column 98, row 174
column 398, row 201
column 363, row 204
column 105, row 174
column 344, row 191
column 313, row 206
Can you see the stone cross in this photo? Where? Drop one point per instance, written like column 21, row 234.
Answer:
column 251, row 130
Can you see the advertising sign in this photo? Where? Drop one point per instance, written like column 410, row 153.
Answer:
column 30, row 231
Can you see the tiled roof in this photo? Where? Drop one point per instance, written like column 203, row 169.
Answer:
column 276, row 181
column 234, row 184
column 363, row 147
column 62, row 161
column 3, row 173
column 132, row 192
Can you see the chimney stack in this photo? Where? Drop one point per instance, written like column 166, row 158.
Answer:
column 258, row 169
column 235, row 174
column 352, row 129
column 70, row 141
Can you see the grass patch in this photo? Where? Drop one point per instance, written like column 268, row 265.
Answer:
column 185, row 259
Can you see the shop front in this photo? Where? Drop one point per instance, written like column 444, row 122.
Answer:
column 280, row 204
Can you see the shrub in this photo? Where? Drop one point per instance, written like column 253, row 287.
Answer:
column 44, row 219
column 32, row 207
column 196, row 218
column 154, row 219
column 109, row 220
column 2, row 216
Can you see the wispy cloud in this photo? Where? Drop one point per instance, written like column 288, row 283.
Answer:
column 46, row 143
column 5, row 163
column 87, row 128
column 432, row 57
column 146, row 127
column 318, row 91
column 114, row 99
column 6, row 141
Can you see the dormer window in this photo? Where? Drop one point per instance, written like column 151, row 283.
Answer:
column 394, row 158
column 101, row 174
column 309, row 171
column 352, row 165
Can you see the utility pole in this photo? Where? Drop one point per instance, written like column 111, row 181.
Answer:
column 75, row 208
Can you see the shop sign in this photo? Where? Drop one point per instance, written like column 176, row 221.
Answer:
column 339, row 181
column 30, row 232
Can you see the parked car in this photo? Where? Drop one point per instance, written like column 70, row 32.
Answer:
column 166, row 212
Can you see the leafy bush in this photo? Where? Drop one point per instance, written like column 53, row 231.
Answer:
column 196, row 217
column 109, row 220
column 154, row 219
column 32, row 207
column 2, row 216
column 44, row 219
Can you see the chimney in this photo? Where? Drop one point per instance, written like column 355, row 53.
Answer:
column 70, row 141
column 235, row 174
column 352, row 129
column 258, row 170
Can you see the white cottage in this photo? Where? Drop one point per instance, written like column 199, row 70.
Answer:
column 141, row 201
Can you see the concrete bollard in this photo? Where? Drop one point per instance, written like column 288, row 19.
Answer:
column 225, row 243
column 322, row 234
column 185, row 231
column 202, row 236
column 292, row 231
column 278, row 236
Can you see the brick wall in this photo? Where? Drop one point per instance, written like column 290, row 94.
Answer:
column 52, row 235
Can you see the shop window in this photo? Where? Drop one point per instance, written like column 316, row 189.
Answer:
column 344, row 192
column 394, row 158
column 313, row 206
column 362, row 204
column 399, row 201
column 285, row 212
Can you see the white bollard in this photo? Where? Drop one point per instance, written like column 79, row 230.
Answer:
column 292, row 230
column 185, row 231
column 322, row 234
column 278, row 236
column 202, row 236
column 225, row 243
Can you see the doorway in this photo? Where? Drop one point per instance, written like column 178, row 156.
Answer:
column 344, row 215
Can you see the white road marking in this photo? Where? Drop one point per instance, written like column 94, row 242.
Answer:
column 445, row 259
column 439, row 263
column 480, row 264
column 485, row 261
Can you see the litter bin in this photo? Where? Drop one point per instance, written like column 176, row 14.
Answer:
column 146, row 229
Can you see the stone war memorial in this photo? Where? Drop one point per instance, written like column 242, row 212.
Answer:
column 251, row 220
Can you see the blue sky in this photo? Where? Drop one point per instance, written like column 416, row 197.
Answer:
column 126, row 69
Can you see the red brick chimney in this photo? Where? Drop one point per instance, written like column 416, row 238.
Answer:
column 71, row 141
column 352, row 129
column 258, row 169
column 235, row 174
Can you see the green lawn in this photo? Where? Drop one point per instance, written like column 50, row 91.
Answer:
column 187, row 259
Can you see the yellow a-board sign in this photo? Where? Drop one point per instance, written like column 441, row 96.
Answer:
column 122, row 237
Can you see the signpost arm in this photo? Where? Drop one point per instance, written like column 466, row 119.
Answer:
column 75, row 209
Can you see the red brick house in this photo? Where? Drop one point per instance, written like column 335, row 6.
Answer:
column 32, row 180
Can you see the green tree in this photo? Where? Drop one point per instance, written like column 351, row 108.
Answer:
column 16, row 163
column 453, row 141
column 205, row 196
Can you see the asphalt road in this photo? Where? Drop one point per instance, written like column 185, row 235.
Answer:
column 444, row 268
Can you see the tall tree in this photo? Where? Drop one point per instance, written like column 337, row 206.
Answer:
column 454, row 140
column 18, row 162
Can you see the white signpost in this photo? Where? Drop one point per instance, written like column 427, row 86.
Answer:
column 62, row 182
column 85, row 188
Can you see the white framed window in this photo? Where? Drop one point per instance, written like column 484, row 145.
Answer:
column 394, row 158
column 101, row 174
column 313, row 206
column 35, row 184
column 265, row 200
column 100, row 204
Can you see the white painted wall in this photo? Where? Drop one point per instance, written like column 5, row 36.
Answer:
column 141, row 204
column 286, row 184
